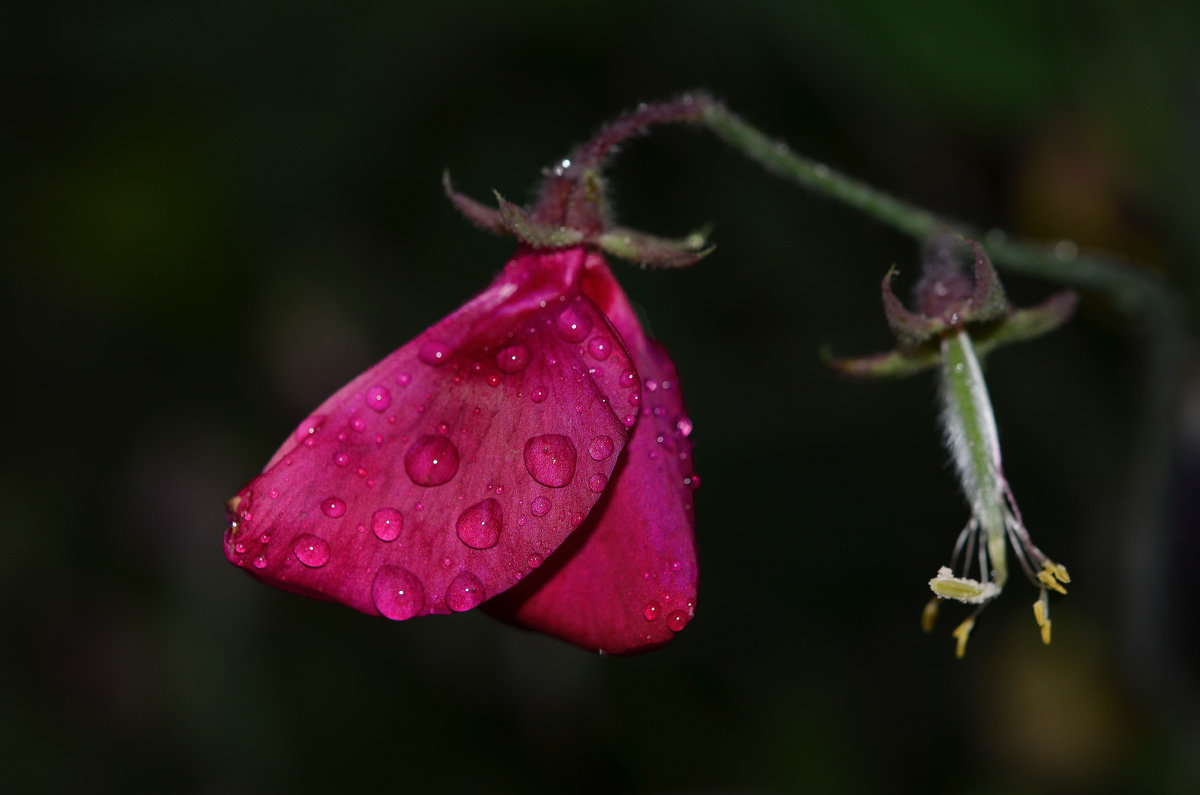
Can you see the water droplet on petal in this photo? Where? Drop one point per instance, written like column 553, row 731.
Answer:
column 597, row 482
column 397, row 593
column 600, row 448
column 431, row 461
column 513, row 359
column 333, row 507
column 387, row 524
column 628, row 379
column 273, row 494
column 435, row 354
column 538, row 394
column 540, row 506
column 260, row 562
column 479, row 526
column 599, row 348
column 464, row 592
column 341, row 459
column 309, row 427
column 572, row 324
column 684, row 426
column 534, row 560
column 403, row 379
column 677, row 620
column 311, row 551
column 550, row 459
column 379, row 398
column 651, row 611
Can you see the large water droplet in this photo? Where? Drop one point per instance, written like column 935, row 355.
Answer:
column 464, row 592
column 513, row 359
column 311, row 551
column 550, row 459
column 434, row 354
column 333, row 507
column 479, row 526
column 600, row 448
column 387, row 524
column 379, row 398
column 431, row 461
column 573, row 324
column 397, row 593
column 540, row 506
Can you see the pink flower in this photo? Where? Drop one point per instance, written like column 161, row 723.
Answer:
column 529, row 453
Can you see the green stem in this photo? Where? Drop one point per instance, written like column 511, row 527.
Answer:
column 1135, row 291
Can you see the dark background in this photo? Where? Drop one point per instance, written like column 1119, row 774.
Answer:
column 214, row 214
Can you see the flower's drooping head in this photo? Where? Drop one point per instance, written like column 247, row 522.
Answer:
column 529, row 453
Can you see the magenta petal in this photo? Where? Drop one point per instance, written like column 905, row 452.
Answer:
column 625, row 582
column 448, row 471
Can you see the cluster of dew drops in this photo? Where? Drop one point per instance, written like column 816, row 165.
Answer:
column 433, row 460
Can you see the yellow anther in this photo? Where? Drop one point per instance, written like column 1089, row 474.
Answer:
column 1052, row 574
column 961, row 589
column 929, row 615
column 962, row 632
column 1043, row 620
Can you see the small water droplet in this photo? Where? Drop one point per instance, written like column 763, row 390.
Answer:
column 239, row 548
column 387, row 524
column 431, row 461
column 684, row 426
column 311, row 551
column 513, row 359
column 628, row 420
column 599, row 348
column 540, row 506
column 479, row 526
column 464, row 592
column 651, row 611
column 572, row 324
column 379, row 398
column 635, row 398
column 403, row 379
column 534, row 560
column 265, row 538
column 333, row 507
column 538, row 394
column 341, row 459
column 260, row 562
column 550, row 459
column 600, row 448
column 677, row 620
column 628, row 379
column 397, row 593
column 597, row 482
column 357, row 424
column 273, row 494
column 434, row 354
column 309, row 427
column 676, row 565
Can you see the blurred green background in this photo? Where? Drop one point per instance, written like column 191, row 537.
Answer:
column 217, row 213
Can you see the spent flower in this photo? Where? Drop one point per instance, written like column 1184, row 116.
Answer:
column 957, row 318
